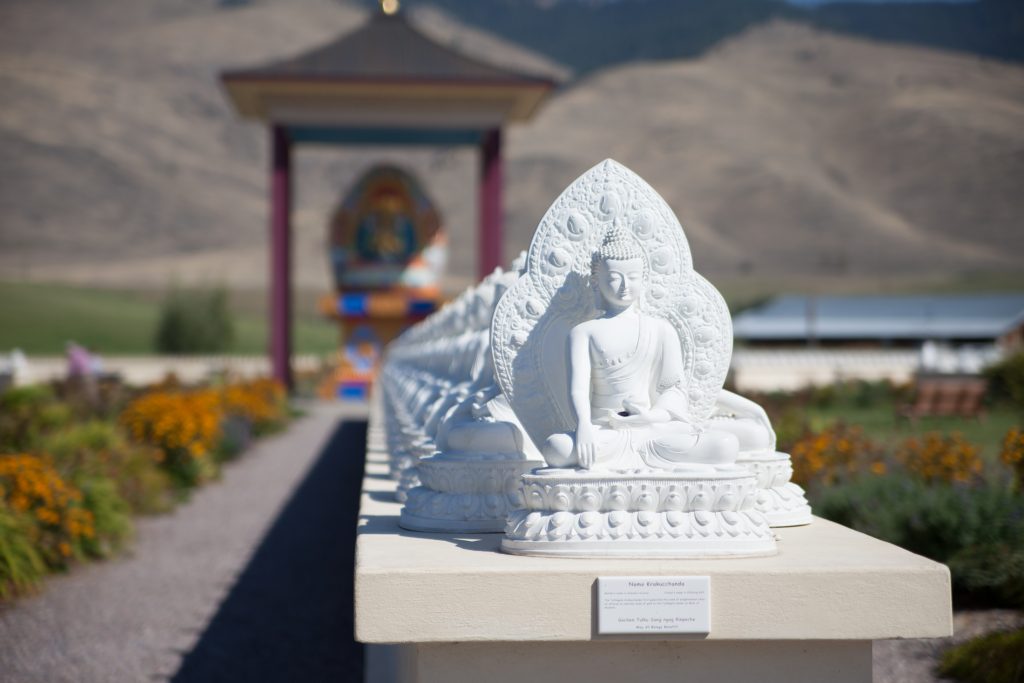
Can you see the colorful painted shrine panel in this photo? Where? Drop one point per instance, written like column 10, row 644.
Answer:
column 386, row 233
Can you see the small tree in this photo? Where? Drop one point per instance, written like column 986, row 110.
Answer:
column 1006, row 380
column 195, row 321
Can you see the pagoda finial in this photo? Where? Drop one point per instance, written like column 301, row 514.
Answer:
column 389, row 7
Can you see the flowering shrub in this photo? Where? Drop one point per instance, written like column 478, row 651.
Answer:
column 261, row 401
column 185, row 426
column 188, row 426
column 30, row 485
column 834, row 453
column 1012, row 455
column 100, row 449
column 937, row 457
column 174, row 421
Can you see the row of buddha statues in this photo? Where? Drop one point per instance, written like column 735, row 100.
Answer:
column 575, row 402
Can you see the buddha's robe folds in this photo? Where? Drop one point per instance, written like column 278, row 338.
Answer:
column 649, row 377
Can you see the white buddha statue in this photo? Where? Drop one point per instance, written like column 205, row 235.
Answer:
column 626, row 380
column 612, row 352
column 470, row 480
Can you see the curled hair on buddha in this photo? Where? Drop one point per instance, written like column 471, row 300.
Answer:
column 619, row 244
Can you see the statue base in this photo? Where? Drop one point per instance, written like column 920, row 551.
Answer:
column 409, row 476
column 399, row 464
column 779, row 499
column 465, row 493
column 657, row 513
column 407, row 481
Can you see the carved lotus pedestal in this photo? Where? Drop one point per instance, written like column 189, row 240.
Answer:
column 781, row 501
column 465, row 493
column 580, row 513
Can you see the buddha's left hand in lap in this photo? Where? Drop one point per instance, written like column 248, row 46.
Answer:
column 638, row 416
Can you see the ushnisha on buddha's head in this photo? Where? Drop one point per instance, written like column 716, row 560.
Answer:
column 619, row 269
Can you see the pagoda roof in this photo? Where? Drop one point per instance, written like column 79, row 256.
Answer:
column 386, row 73
column 387, row 48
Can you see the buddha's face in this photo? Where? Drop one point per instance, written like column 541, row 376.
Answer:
column 621, row 282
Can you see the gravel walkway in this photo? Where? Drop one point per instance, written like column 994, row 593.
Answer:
column 251, row 580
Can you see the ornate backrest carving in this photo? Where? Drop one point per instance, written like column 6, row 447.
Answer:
column 532, row 321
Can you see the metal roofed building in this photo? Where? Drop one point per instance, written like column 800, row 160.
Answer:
column 983, row 319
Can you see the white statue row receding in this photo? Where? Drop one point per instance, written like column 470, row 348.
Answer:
column 609, row 355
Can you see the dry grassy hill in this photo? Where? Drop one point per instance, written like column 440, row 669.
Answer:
column 790, row 150
column 784, row 150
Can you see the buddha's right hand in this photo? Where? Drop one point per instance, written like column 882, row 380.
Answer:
column 586, row 446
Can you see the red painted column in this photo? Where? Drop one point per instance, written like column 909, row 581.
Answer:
column 280, row 331
column 490, row 238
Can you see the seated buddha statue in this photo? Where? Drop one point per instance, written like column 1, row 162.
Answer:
column 481, row 421
column 626, row 380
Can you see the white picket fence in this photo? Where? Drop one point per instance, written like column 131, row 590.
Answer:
column 141, row 370
column 752, row 369
column 790, row 369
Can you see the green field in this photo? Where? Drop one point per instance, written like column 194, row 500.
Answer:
column 41, row 318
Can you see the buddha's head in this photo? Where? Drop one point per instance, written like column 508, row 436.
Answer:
column 619, row 269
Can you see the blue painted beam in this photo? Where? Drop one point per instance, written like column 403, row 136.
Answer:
column 330, row 135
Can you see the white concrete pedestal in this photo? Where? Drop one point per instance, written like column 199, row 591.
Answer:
column 453, row 608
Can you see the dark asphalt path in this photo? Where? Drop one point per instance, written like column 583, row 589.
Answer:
column 289, row 616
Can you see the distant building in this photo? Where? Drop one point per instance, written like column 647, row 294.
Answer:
column 885, row 321
column 796, row 341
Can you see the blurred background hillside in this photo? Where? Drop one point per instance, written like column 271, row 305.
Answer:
column 820, row 147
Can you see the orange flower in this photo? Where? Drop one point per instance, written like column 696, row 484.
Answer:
column 30, row 484
column 941, row 457
column 835, row 451
column 1012, row 455
column 185, row 422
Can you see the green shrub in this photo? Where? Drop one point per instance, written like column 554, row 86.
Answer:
column 966, row 527
column 101, row 449
column 992, row 658
column 864, row 394
column 992, row 573
column 790, row 425
column 21, row 566
column 194, row 321
column 111, row 515
column 26, row 413
column 1006, row 380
